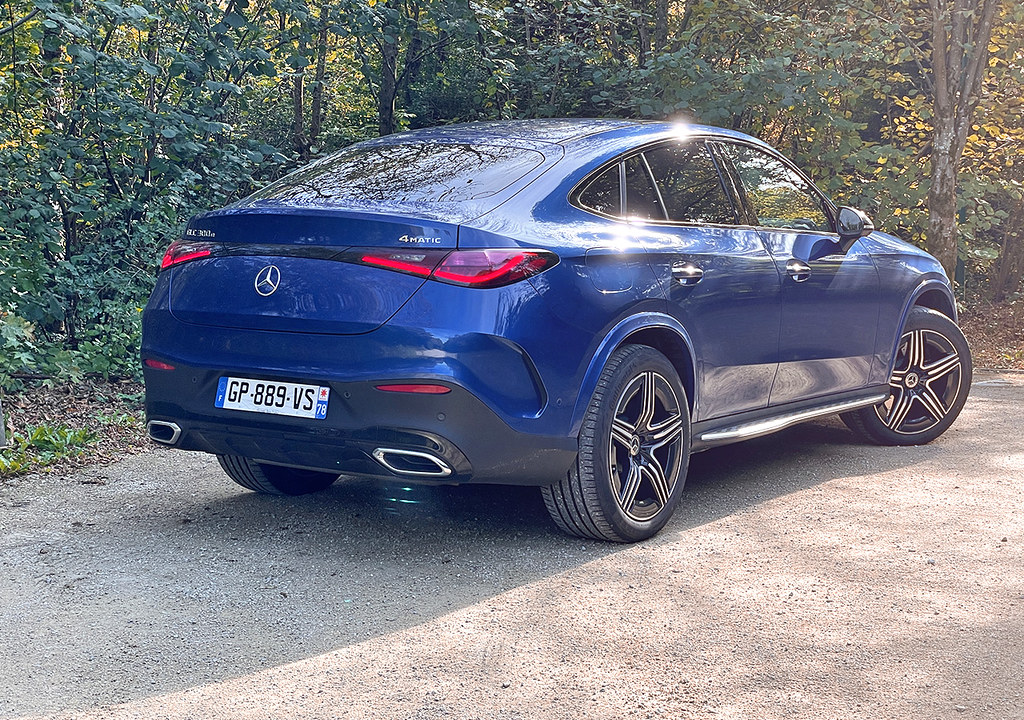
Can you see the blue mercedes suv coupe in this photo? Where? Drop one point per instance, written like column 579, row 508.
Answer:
column 572, row 304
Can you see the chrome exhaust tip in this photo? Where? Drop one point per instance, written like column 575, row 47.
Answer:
column 163, row 432
column 412, row 463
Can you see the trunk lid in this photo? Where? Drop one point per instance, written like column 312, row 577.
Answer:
column 297, row 270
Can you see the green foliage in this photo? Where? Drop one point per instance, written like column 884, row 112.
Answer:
column 17, row 348
column 113, row 135
column 41, row 446
column 123, row 118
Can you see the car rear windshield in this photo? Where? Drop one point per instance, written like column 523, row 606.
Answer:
column 407, row 173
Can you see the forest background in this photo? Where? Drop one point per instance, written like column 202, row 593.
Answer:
column 122, row 119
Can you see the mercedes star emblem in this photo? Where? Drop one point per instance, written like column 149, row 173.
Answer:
column 267, row 280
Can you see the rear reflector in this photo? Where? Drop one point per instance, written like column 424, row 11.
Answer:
column 156, row 364
column 181, row 251
column 420, row 388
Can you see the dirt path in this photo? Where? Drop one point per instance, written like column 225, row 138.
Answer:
column 805, row 576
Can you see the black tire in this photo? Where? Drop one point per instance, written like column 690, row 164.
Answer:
column 929, row 385
column 634, row 447
column 274, row 479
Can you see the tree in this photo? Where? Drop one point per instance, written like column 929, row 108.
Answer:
column 960, row 35
column 391, row 39
column 944, row 126
column 114, row 134
column 122, row 118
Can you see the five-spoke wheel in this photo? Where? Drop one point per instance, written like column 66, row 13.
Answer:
column 928, row 386
column 634, row 449
column 646, row 435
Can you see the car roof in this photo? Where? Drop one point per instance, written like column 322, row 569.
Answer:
column 541, row 130
column 575, row 145
column 572, row 134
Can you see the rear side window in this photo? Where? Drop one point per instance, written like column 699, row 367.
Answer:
column 410, row 172
column 690, row 184
column 642, row 200
column 672, row 181
column 603, row 193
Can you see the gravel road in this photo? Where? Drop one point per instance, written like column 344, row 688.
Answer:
column 805, row 575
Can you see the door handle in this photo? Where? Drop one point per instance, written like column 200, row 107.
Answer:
column 687, row 273
column 798, row 270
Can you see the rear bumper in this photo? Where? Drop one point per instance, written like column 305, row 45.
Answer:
column 457, row 428
column 506, row 420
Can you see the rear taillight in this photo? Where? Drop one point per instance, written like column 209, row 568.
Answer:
column 412, row 262
column 469, row 268
column 181, row 251
column 492, row 268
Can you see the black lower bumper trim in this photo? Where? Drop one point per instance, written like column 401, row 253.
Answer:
column 456, row 427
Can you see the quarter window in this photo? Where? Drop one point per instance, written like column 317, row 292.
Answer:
column 776, row 193
column 602, row 194
column 690, row 185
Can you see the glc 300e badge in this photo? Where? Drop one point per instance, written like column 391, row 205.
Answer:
column 267, row 280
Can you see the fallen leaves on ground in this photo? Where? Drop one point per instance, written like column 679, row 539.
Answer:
column 112, row 411
column 996, row 334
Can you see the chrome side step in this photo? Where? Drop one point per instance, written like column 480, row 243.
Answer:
column 770, row 425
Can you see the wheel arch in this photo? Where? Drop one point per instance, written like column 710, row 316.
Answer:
column 933, row 294
column 936, row 407
column 655, row 330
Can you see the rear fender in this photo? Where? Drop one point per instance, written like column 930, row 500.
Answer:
column 637, row 327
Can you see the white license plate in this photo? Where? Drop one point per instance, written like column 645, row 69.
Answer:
column 273, row 397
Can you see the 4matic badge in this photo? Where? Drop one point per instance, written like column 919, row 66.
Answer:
column 419, row 240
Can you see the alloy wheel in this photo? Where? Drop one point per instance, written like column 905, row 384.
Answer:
column 924, row 384
column 645, row 447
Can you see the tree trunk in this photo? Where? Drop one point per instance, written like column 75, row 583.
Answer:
column 961, row 30
column 1010, row 267
column 942, row 231
column 661, row 26
column 316, row 110
column 643, row 32
column 388, row 87
column 151, row 51
column 413, row 62
column 298, row 114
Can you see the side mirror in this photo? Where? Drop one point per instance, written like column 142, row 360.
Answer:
column 853, row 225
